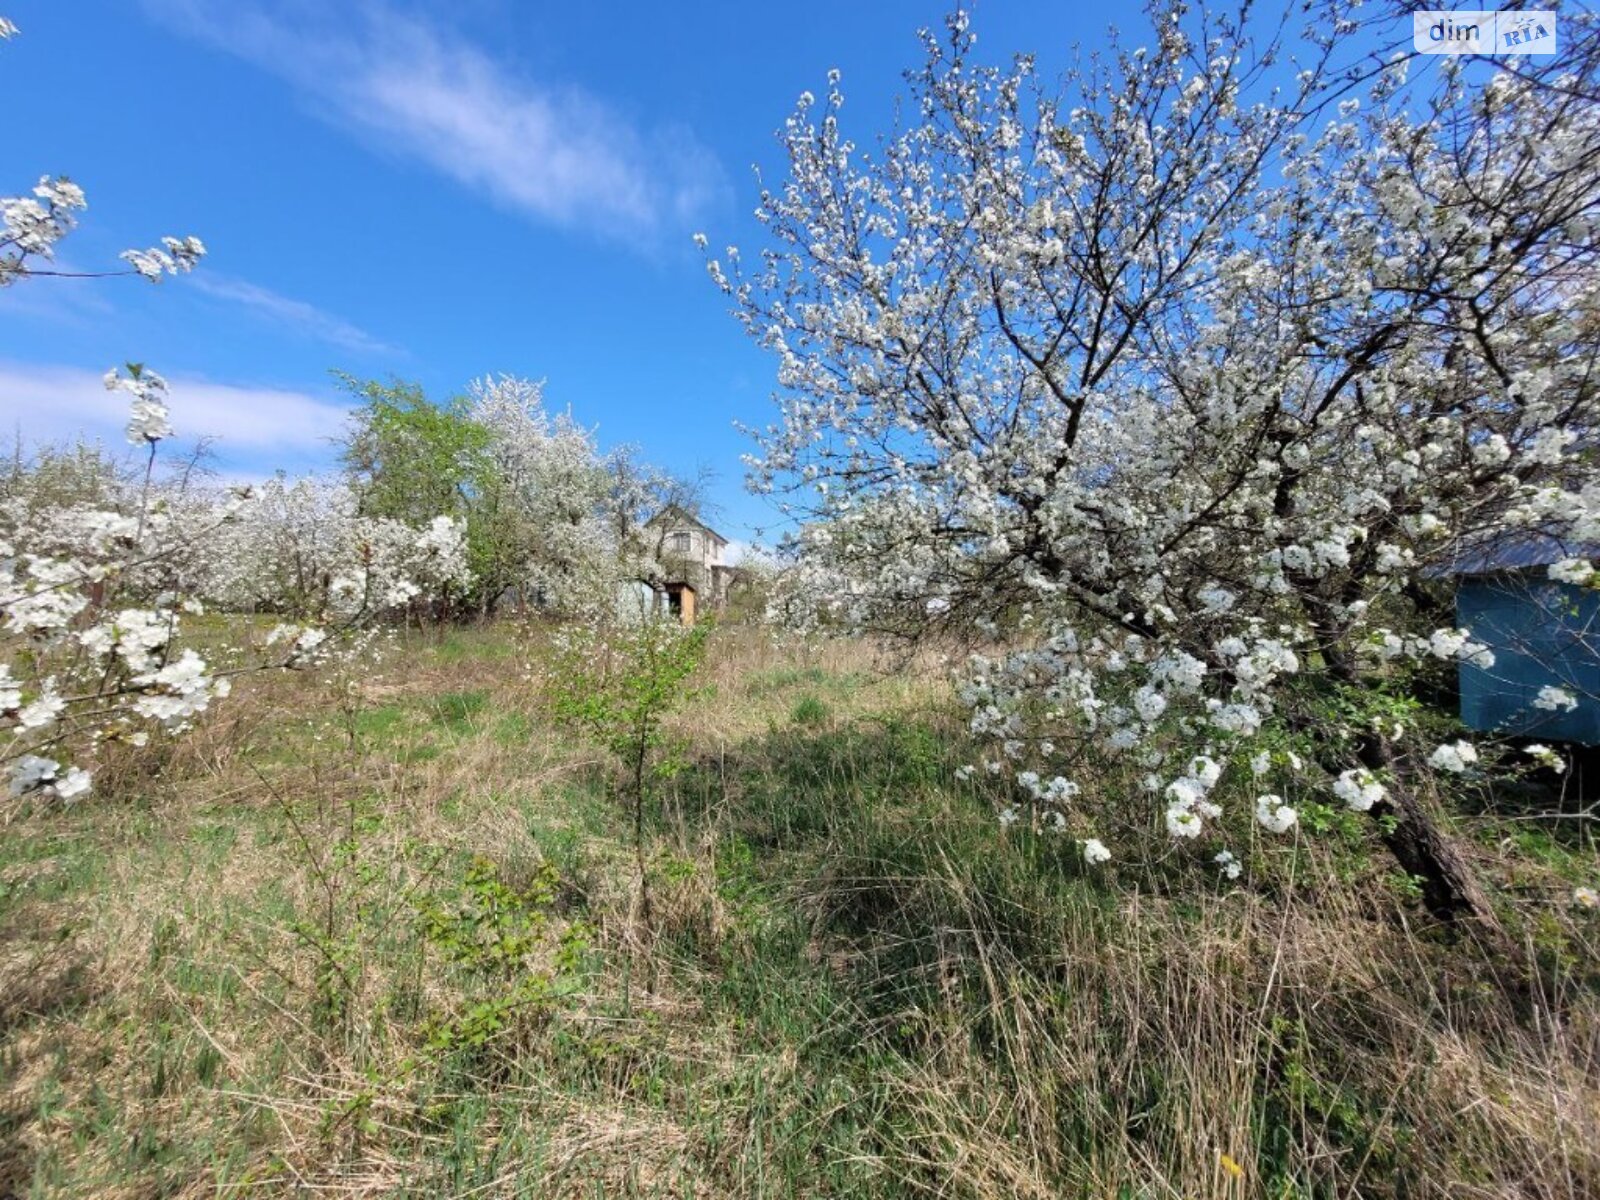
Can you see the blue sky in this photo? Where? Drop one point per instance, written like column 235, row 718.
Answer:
column 430, row 191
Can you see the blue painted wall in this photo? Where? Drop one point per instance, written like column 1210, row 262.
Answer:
column 1541, row 632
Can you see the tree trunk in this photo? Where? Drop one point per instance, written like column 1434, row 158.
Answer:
column 638, row 837
column 1424, row 850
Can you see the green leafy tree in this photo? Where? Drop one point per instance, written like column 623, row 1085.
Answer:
column 618, row 685
column 409, row 457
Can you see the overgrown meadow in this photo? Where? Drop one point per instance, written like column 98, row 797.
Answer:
column 1079, row 805
column 377, row 932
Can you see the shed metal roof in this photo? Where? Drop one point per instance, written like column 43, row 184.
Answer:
column 1514, row 550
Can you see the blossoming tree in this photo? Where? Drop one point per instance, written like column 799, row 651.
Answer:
column 547, row 512
column 93, row 599
column 1174, row 382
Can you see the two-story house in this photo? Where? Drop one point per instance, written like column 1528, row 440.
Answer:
column 695, row 574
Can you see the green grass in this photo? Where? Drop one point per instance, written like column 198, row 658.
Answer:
column 808, row 710
column 460, row 712
column 815, row 679
column 382, row 724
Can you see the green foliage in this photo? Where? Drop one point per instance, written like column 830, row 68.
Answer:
column 497, row 930
column 809, row 710
column 619, row 685
column 486, row 924
column 412, row 459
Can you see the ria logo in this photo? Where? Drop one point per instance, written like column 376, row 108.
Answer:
column 1525, row 33
column 1519, row 31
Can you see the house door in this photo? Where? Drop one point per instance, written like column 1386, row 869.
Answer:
column 680, row 603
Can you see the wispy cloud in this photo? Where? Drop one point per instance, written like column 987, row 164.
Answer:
column 558, row 154
column 51, row 403
column 61, row 301
column 296, row 315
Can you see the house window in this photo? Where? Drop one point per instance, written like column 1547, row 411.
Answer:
column 680, row 543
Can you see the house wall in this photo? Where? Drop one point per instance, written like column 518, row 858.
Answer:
column 706, row 551
column 694, row 563
column 1542, row 633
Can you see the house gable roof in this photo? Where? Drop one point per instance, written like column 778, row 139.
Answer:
column 672, row 514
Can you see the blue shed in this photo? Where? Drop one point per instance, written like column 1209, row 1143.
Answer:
column 1542, row 632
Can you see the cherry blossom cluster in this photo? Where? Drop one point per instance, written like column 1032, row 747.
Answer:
column 572, row 509
column 568, row 520
column 307, row 553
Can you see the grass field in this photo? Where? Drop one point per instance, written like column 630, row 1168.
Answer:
column 379, row 932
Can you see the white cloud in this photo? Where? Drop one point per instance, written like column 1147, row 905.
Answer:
column 47, row 403
column 556, row 153
column 294, row 314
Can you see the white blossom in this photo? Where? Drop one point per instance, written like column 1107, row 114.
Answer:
column 1274, row 815
column 1183, row 823
column 72, row 784
column 1577, row 571
column 1359, row 788
column 42, row 711
column 1545, row 756
column 1552, row 698
column 1454, row 757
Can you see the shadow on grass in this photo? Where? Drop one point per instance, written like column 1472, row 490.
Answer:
column 985, row 996
column 53, row 983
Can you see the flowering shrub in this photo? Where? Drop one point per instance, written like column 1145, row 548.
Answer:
column 1175, row 387
column 93, row 600
column 307, row 553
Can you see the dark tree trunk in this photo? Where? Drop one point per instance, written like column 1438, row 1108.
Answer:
column 1420, row 844
column 1450, row 889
